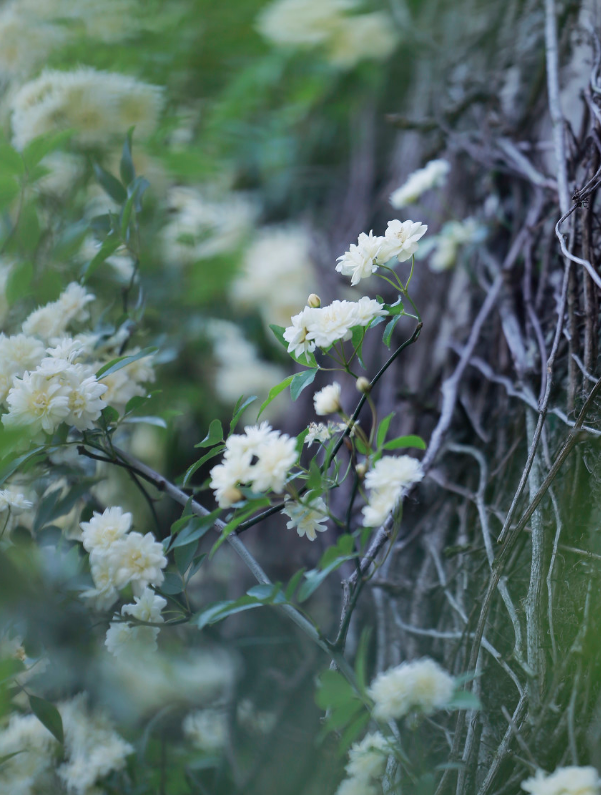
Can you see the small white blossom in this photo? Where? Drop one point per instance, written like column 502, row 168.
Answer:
column 73, row 302
column 101, row 532
column 306, row 516
column 250, row 440
column 367, row 759
column 327, row 400
column 401, row 240
column 138, row 559
column 39, row 403
column 367, row 309
column 332, row 323
column 359, row 261
column 207, row 730
column 275, row 458
column 432, row 175
column 564, row 781
column 85, row 396
column 296, row 335
column 146, row 607
column 227, row 476
column 14, row 501
column 104, row 594
column 388, row 482
column 418, row 685
column 318, row 432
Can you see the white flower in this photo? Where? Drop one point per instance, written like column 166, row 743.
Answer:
column 296, row 334
column 301, row 23
column 432, row 175
column 93, row 749
column 306, row 516
column 401, row 240
column 207, row 729
column 318, row 432
column 357, row 786
column 13, row 501
column 85, row 396
column 34, row 749
column 275, row 458
column 104, row 594
column 388, row 482
column 362, row 37
column 278, row 273
column 121, row 388
column 327, row 400
column 367, row 759
column 20, row 353
column 451, row 238
column 37, row 402
column 254, row 435
column 101, row 532
column 421, row 685
column 227, row 476
column 73, row 302
column 332, row 323
column 146, row 607
column 565, row 781
column 46, row 322
column 367, row 309
column 137, row 559
column 359, row 261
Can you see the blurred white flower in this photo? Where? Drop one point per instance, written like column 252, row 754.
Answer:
column 432, row 175
column 418, row 685
column 564, row 781
column 14, row 501
column 450, row 239
column 137, row 559
column 388, row 483
column 207, row 730
column 359, row 261
column 85, row 396
column 278, row 273
column 146, row 607
column 327, row 400
column 103, row 529
column 357, row 786
column 367, row 758
column 302, row 23
column 362, row 37
column 35, row 750
column 51, row 320
column 306, row 515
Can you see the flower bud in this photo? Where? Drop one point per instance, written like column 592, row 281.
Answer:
column 361, row 470
column 314, row 301
column 232, row 495
column 363, row 385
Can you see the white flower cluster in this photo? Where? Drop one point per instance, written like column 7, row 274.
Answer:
column 319, row 432
column 420, row 685
column 367, row 764
column 363, row 258
column 306, row 515
column 207, row 730
column 275, row 454
column 31, row 755
column 277, row 268
column 101, row 106
column 346, row 38
column 43, row 387
column 323, row 326
column 565, row 781
column 200, row 228
column 119, row 558
column 432, row 175
column 388, row 483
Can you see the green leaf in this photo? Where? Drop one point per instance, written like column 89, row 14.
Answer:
column 17, row 462
column 9, row 190
column 300, row 381
column 333, row 690
column 262, row 502
column 43, row 145
column 10, row 668
column 383, row 430
column 123, row 361
column 387, row 336
column 183, row 556
column 240, row 406
column 274, row 392
column 357, row 339
column 220, row 610
column 11, row 161
column 6, row 757
column 293, row 584
column 48, row 715
column 18, row 283
column 344, row 546
column 361, row 659
column 405, row 441
column 194, row 467
column 214, row 436
column 172, row 584
column 352, row 731
column 195, row 528
column 126, row 167
column 108, row 247
column 110, row 184
column 463, row 699
column 315, row 577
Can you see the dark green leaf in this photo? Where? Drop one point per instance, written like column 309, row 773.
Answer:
column 240, row 406
column 274, row 392
column 47, row 714
column 383, row 430
column 463, row 699
column 183, row 556
column 315, row 577
column 214, row 436
column 126, row 167
column 207, row 457
column 172, row 584
column 19, row 282
column 108, row 247
column 387, row 336
column 9, row 190
column 333, row 690
column 43, row 145
column 110, row 184
column 293, row 584
column 196, row 528
column 123, row 361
